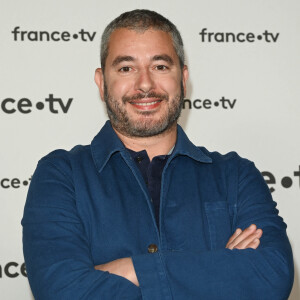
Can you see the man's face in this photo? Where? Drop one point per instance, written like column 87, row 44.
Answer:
column 143, row 85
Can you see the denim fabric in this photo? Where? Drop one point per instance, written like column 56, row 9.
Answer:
column 90, row 205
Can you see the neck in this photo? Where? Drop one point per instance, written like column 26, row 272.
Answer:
column 160, row 144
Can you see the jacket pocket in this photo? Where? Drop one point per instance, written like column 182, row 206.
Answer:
column 219, row 223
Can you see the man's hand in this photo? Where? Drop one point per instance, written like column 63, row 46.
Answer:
column 122, row 267
column 248, row 238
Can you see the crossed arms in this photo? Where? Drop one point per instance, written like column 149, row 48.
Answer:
column 241, row 239
column 60, row 265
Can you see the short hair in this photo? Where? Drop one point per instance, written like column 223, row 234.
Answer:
column 141, row 20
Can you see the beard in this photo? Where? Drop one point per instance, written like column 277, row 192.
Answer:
column 147, row 126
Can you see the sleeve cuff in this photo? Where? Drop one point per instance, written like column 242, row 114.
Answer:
column 152, row 277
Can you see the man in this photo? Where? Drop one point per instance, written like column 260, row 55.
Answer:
column 142, row 213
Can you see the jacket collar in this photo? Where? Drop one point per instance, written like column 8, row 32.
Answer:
column 106, row 143
column 185, row 147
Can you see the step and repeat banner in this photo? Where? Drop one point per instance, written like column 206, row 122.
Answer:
column 243, row 95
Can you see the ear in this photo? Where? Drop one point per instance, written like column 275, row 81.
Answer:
column 185, row 76
column 99, row 79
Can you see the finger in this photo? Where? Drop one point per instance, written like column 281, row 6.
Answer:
column 254, row 244
column 246, row 232
column 244, row 243
column 236, row 233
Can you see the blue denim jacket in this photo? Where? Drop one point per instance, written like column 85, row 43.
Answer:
column 90, row 206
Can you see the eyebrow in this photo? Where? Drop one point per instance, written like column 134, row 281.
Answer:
column 164, row 57
column 121, row 58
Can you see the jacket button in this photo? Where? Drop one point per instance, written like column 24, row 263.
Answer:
column 152, row 248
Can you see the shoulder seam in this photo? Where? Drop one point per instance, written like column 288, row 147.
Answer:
column 47, row 160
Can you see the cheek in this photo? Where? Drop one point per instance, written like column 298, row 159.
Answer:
column 119, row 88
column 170, row 85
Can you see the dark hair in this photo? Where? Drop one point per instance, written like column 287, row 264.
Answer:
column 142, row 20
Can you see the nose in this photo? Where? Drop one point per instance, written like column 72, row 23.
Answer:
column 144, row 82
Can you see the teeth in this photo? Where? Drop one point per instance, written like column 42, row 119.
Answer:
column 145, row 104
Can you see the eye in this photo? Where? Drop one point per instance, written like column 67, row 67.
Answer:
column 125, row 69
column 161, row 68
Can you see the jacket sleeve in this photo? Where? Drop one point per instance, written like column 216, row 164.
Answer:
column 264, row 273
column 56, row 248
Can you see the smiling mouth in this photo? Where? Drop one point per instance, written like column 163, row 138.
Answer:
column 146, row 104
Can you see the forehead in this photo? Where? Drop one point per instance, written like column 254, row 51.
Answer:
column 140, row 45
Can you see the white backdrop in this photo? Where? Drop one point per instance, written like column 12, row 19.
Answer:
column 49, row 100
